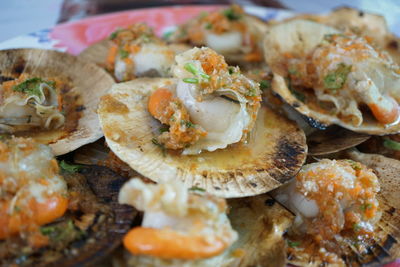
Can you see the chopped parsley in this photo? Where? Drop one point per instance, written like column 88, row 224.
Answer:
column 208, row 26
column 231, row 70
column 336, row 79
column 391, row 144
column 293, row 244
column 231, row 14
column 32, row 86
column 17, row 209
column 191, row 80
column 264, row 84
column 186, row 123
column 70, row 168
column 123, row 54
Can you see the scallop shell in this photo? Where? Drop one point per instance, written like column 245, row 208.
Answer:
column 300, row 37
column 386, row 245
column 332, row 140
column 275, row 151
column 97, row 53
column 89, row 82
column 260, row 223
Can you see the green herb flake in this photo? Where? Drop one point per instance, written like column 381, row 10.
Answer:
column 17, row 209
column 190, row 67
column 196, row 188
column 231, row 14
column 366, row 206
column 293, row 71
column 336, row 79
column 63, row 232
column 123, row 54
column 357, row 227
column 163, row 129
column 391, row 144
column 69, row 168
column 191, row 80
column 231, row 70
column 264, row 84
column 167, row 35
column 252, row 92
column 187, row 124
column 32, row 86
column 293, row 244
column 114, row 34
column 208, row 26
column 355, row 165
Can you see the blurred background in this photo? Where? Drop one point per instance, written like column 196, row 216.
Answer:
column 18, row 17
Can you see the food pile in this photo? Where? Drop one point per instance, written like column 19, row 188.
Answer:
column 233, row 141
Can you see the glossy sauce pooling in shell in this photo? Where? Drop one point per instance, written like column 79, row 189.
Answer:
column 32, row 191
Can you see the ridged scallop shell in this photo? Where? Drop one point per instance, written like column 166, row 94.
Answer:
column 274, row 153
column 88, row 81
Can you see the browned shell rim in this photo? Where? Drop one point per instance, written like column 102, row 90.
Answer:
column 332, row 140
column 88, row 81
column 274, row 153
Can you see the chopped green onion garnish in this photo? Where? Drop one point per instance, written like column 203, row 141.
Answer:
column 186, row 123
column 195, row 188
column 230, row 14
column 167, row 35
column 123, row 54
column 336, row 79
column 264, row 84
column 70, row 168
column 208, row 26
column 190, row 67
column 389, row 143
column 293, row 244
column 32, row 86
column 191, row 80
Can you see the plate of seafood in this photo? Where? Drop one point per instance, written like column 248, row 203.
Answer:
column 202, row 136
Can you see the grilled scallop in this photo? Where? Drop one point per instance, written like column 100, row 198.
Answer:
column 204, row 127
column 334, row 77
column 50, row 96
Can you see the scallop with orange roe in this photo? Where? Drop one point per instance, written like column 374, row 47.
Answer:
column 33, row 191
